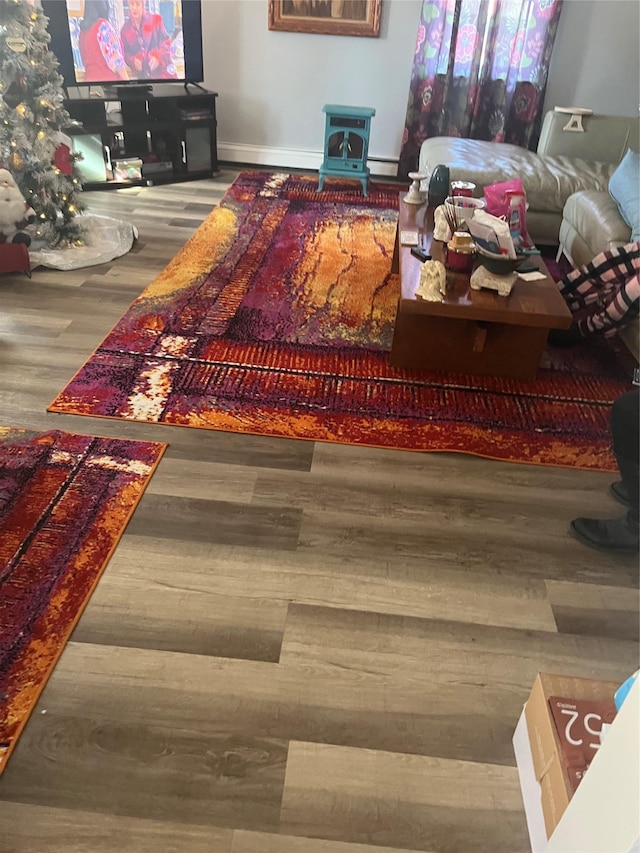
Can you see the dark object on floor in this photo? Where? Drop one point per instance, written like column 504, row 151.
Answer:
column 619, row 491
column 14, row 257
column 565, row 337
column 619, row 535
column 615, row 535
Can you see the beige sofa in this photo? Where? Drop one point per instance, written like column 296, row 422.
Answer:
column 566, row 162
column 591, row 223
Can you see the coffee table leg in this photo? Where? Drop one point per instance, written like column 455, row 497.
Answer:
column 395, row 261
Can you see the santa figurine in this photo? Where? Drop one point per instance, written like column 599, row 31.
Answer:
column 15, row 213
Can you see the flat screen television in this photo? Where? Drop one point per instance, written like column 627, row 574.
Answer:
column 126, row 42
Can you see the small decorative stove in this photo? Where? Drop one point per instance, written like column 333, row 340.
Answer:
column 346, row 143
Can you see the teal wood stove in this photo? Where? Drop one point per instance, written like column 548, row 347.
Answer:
column 346, row 143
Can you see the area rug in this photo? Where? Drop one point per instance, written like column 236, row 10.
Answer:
column 65, row 500
column 276, row 318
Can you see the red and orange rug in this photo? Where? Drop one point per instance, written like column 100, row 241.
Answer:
column 65, row 500
column 276, row 319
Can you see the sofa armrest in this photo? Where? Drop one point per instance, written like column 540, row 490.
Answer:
column 605, row 138
column 591, row 223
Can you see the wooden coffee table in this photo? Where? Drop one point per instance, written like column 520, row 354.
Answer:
column 470, row 331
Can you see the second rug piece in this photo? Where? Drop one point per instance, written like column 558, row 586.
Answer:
column 65, row 501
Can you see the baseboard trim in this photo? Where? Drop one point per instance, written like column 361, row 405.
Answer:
column 290, row 158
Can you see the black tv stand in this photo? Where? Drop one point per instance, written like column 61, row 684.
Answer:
column 188, row 83
column 170, row 132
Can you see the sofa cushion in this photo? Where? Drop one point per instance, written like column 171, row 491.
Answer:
column 548, row 181
column 624, row 187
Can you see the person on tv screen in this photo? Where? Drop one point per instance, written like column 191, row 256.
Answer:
column 146, row 44
column 99, row 44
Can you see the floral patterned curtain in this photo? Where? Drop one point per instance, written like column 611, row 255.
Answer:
column 480, row 72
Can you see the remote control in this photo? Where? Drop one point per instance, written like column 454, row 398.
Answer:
column 421, row 254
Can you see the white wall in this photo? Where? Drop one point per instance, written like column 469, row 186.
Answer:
column 596, row 57
column 272, row 85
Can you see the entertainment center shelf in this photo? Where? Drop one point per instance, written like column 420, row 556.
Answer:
column 171, row 131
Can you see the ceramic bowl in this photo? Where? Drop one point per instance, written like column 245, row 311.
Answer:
column 499, row 264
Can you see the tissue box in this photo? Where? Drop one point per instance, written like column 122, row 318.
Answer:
column 552, row 762
column 127, row 170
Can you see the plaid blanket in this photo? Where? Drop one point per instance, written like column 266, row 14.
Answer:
column 604, row 294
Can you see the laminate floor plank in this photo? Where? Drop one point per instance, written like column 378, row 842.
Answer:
column 427, row 499
column 184, row 222
column 409, row 801
column 544, row 487
column 27, row 828
column 183, row 478
column 163, row 752
column 363, row 583
column 494, row 545
column 447, row 652
column 172, row 617
column 215, row 521
column 199, row 207
column 31, row 324
column 251, row 451
column 593, row 610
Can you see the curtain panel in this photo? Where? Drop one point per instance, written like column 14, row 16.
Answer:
column 479, row 71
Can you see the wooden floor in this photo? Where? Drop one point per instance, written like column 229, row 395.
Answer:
column 296, row 647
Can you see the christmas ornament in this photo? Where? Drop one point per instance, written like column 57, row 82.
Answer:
column 16, row 44
column 62, row 159
column 16, row 162
column 15, row 93
column 62, row 155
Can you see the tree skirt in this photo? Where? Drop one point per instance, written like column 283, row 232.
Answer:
column 106, row 239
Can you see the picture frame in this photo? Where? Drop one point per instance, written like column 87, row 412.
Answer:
column 326, row 17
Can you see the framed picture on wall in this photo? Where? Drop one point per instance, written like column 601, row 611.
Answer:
column 328, row 17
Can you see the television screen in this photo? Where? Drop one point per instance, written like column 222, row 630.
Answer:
column 126, row 41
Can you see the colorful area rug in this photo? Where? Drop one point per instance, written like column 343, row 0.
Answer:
column 276, row 318
column 65, row 500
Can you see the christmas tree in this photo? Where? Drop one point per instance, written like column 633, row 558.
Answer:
column 32, row 118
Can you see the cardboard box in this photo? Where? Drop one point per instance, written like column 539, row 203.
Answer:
column 555, row 782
